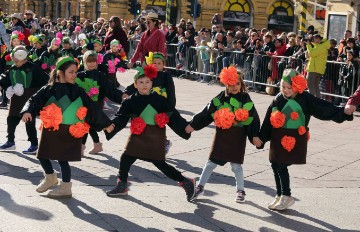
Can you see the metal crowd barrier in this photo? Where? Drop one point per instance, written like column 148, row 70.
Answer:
column 256, row 70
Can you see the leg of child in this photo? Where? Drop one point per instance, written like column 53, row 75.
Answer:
column 97, row 145
column 32, row 137
column 50, row 176
column 12, row 122
column 121, row 187
column 64, row 189
column 285, row 200
column 206, row 172
column 187, row 183
column 239, row 178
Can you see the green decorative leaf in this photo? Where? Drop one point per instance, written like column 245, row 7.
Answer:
column 148, row 115
column 239, row 124
column 234, row 102
column 69, row 115
column 248, row 106
column 216, row 102
column 20, row 77
column 64, row 103
column 52, row 99
column 274, row 109
column 227, row 105
column 248, row 121
column 236, row 108
column 212, row 115
column 223, row 107
column 293, row 106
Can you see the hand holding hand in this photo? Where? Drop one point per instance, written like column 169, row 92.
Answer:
column 189, row 129
column 124, row 96
column 349, row 109
column 27, row 117
column 257, row 142
column 110, row 128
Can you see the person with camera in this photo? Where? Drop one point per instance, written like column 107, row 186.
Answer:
column 317, row 52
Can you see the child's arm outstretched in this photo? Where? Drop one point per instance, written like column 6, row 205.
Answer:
column 120, row 120
column 33, row 106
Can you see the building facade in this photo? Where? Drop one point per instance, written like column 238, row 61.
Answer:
column 278, row 15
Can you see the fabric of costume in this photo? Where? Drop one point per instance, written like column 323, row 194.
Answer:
column 68, row 52
column 288, row 142
column 48, row 59
column 229, row 144
column 163, row 84
column 35, row 53
column 111, row 62
column 61, row 144
column 150, row 144
column 30, row 76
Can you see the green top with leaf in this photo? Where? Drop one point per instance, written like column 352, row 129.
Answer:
column 87, row 85
column 292, row 106
column 234, row 105
column 20, row 77
column 68, row 108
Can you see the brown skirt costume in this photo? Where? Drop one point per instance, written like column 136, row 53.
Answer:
column 18, row 102
column 149, row 145
column 228, row 145
column 59, row 145
column 279, row 155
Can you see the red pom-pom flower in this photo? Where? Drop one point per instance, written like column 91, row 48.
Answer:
column 294, row 115
column 8, row 58
column 137, row 126
column 224, row 118
column 51, row 116
column 302, row 130
column 150, row 71
column 288, row 142
column 241, row 115
column 161, row 119
column 21, row 36
column 79, row 129
column 298, row 83
column 277, row 119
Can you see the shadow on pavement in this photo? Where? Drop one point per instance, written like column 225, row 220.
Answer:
column 28, row 212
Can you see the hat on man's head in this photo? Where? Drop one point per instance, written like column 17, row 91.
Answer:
column 311, row 28
column 152, row 16
column 16, row 15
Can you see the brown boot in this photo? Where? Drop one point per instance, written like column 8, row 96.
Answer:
column 97, row 148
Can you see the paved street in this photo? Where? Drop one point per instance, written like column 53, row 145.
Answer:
column 327, row 189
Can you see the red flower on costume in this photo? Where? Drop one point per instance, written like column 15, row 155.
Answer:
column 288, row 142
column 302, row 130
column 79, row 129
column 277, row 119
column 229, row 76
column 161, row 119
column 294, row 115
column 137, row 125
column 224, row 118
column 241, row 115
column 81, row 112
column 8, row 58
column 51, row 116
column 150, row 71
column 299, row 83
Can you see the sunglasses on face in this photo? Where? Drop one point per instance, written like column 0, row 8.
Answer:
column 148, row 22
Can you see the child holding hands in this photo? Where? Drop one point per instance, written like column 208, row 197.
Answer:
column 235, row 118
column 149, row 113
column 67, row 113
column 286, row 127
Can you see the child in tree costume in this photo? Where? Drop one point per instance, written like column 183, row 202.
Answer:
column 38, row 47
column 21, row 81
column 6, row 62
column 113, row 61
column 67, row 47
column 66, row 113
column 286, row 127
column 235, row 118
column 97, row 87
column 48, row 59
column 163, row 84
column 149, row 114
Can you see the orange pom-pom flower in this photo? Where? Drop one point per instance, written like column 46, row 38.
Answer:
column 161, row 119
column 137, row 126
column 79, row 129
column 302, row 130
column 81, row 112
column 294, row 115
column 241, row 115
column 288, row 142
column 51, row 116
column 298, row 83
column 224, row 118
column 150, row 71
column 277, row 119
column 229, row 76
